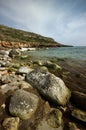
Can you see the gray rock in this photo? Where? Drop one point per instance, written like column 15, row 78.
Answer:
column 49, row 85
column 11, row 123
column 79, row 114
column 23, row 104
column 79, row 99
column 4, row 63
column 24, row 70
column 55, row 118
column 14, row 52
column 4, row 52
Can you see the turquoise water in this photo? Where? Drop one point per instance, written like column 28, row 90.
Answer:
column 78, row 53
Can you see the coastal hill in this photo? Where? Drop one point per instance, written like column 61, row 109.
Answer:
column 10, row 37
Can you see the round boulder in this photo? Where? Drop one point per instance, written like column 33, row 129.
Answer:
column 23, row 104
column 52, row 87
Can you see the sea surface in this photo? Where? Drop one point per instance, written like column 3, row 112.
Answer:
column 78, row 53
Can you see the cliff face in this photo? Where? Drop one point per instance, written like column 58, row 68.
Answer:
column 10, row 37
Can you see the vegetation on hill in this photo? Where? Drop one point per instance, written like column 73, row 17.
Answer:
column 9, row 34
column 10, row 37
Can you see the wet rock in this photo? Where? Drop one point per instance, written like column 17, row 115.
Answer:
column 48, row 64
column 72, row 126
column 24, row 56
column 79, row 99
column 79, row 114
column 11, row 123
column 39, row 62
column 23, row 104
column 55, row 118
column 52, row 65
column 24, row 70
column 52, row 87
column 44, row 68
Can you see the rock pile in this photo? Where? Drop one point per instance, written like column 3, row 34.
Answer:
column 35, row 95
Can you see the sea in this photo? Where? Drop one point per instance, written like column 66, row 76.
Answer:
column 76, row 52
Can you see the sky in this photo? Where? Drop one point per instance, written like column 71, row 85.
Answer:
column 63, row 20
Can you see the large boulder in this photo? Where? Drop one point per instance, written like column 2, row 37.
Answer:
column 23, row 104
column 49, row 85
column 79, row 99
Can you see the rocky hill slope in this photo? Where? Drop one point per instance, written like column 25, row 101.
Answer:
column 10, row 37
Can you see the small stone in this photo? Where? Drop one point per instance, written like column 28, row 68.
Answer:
column 11, row 123
column 14, row 52
column 72, row 126
column 24, row 84
column 44, row 68
column 79, row 114
column 46, row 108
column 24, row 70
column 55, row 118
column 4, row 72
column 3, row 106
column 52, row 65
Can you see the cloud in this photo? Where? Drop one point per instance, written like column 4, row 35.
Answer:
column 64, row 21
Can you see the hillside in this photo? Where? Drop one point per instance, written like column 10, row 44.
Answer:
column 10, row 37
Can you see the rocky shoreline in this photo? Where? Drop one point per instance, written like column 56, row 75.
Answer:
column 39, row 94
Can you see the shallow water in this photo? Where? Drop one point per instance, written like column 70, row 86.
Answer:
column 62, row 52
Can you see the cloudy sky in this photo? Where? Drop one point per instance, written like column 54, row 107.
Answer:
column 63, row 20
